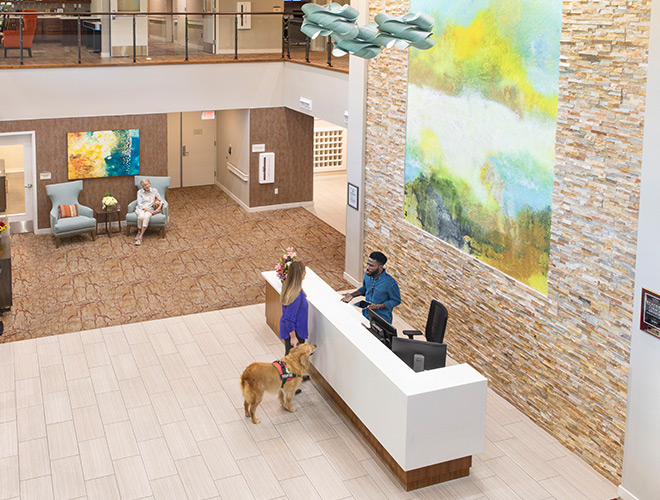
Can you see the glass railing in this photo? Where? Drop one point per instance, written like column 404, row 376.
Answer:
column 101, row 38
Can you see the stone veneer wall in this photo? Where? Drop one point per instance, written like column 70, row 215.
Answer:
column 562, row 359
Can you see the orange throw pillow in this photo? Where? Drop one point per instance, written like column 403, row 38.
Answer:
column 68, row 211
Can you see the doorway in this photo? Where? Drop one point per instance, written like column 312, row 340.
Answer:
column 329, row 174
column 17, row 172
column 191, row 148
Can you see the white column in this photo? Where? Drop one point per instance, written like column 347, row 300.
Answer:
column 357, row 97
column 641, row 459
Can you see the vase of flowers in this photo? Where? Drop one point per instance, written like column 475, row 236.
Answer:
column 283, row 266
column 108, row 202
column 4, row 235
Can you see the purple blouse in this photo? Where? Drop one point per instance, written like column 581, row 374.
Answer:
column 294, row 317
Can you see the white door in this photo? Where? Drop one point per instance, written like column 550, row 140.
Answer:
column 18, row 165
column 197, row 150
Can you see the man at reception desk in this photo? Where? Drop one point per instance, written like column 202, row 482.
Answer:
column 380, row 290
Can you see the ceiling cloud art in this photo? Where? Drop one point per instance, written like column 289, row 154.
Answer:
column 340, row 22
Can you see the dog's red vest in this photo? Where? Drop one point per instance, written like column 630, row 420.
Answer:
column 284, row 372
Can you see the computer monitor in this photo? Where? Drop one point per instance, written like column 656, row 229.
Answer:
column 381, row 328
column 420, row 355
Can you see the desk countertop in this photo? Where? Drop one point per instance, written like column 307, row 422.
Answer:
column 385, row 393
column 350, row 321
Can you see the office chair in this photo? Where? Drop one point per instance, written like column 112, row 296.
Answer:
column 435, row 324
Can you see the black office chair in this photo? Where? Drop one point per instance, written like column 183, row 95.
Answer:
column 435, row 324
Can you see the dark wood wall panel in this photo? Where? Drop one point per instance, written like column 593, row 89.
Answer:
column 51, row 155
column 290, row 135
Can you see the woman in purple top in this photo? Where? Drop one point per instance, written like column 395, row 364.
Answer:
column 293, row 324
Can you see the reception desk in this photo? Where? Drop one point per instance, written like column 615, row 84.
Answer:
column 425, row 426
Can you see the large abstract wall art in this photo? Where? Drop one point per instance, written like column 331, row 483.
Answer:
column 480, row 145
column 106, row 153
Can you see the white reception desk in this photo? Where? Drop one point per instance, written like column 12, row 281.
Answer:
column 426, row 426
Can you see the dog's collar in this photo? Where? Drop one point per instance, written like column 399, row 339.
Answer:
column 283, row 370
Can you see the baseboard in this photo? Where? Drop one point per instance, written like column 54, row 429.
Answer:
column 624, row 494
column 301, row 204
column 352, row 280
column 45, row 230
column 233, row 196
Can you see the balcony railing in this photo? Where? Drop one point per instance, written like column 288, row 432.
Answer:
column 100, row 38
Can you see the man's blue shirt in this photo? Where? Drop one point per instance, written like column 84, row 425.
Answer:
column 382, row 289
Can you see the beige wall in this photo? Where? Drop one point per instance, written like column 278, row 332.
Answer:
column 265, row 34
column 13, row 158
column 234, row 131
column 562, row 359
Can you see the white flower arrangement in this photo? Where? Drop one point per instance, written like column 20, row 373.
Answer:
column 108, row 201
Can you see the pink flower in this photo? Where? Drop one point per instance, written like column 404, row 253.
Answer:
column 282, row 267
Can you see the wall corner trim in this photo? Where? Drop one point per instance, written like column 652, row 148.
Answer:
column 352, row 280
column 624, row 494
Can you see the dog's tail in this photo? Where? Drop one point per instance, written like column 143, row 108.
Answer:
column 243, row 384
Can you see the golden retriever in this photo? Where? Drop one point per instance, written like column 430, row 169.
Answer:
column 264, row 377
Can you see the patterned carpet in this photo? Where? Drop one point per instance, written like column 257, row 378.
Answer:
column 211, row 258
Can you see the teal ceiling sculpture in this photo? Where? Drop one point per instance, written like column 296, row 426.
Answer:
column 339, row 22
column 364, row 45
column 327, row 19
column 401, row 32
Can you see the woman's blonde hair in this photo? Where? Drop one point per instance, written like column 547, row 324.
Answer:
column 293, row 283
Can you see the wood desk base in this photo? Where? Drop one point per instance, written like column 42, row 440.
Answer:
column 412, row 479
column 273, row 308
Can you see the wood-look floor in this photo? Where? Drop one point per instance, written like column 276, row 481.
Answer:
column 54, row 54
column 153, row 409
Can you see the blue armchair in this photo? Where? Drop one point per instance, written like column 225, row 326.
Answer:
column 159, row 220
column 66, row 193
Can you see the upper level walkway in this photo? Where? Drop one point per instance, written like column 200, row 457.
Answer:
column 87, row 40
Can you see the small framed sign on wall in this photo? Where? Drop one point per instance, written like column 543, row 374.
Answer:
column 353, row 196
column 650, row 317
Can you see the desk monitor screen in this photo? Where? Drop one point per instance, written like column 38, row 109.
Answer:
column 381, row 328
column 411, row 353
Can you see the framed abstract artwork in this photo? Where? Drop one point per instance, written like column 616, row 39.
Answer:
column 106, row 153
column 480, row 139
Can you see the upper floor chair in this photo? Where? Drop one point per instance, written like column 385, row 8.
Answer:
column 159, row 220
column 67, row 216
column 11, row 39
column 435, row 324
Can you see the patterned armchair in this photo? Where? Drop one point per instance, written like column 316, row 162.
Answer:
column 66, row 194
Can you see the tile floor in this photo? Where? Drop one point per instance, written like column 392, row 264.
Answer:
column 153, row 410
column 330, row 199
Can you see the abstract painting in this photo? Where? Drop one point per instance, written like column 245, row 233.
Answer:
column 480, row 141
column 105, row 153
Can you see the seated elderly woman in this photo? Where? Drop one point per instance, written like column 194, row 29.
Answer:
column 149, row 202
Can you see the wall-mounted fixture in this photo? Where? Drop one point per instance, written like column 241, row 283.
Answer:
column 244, row 20
column 266, row 168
